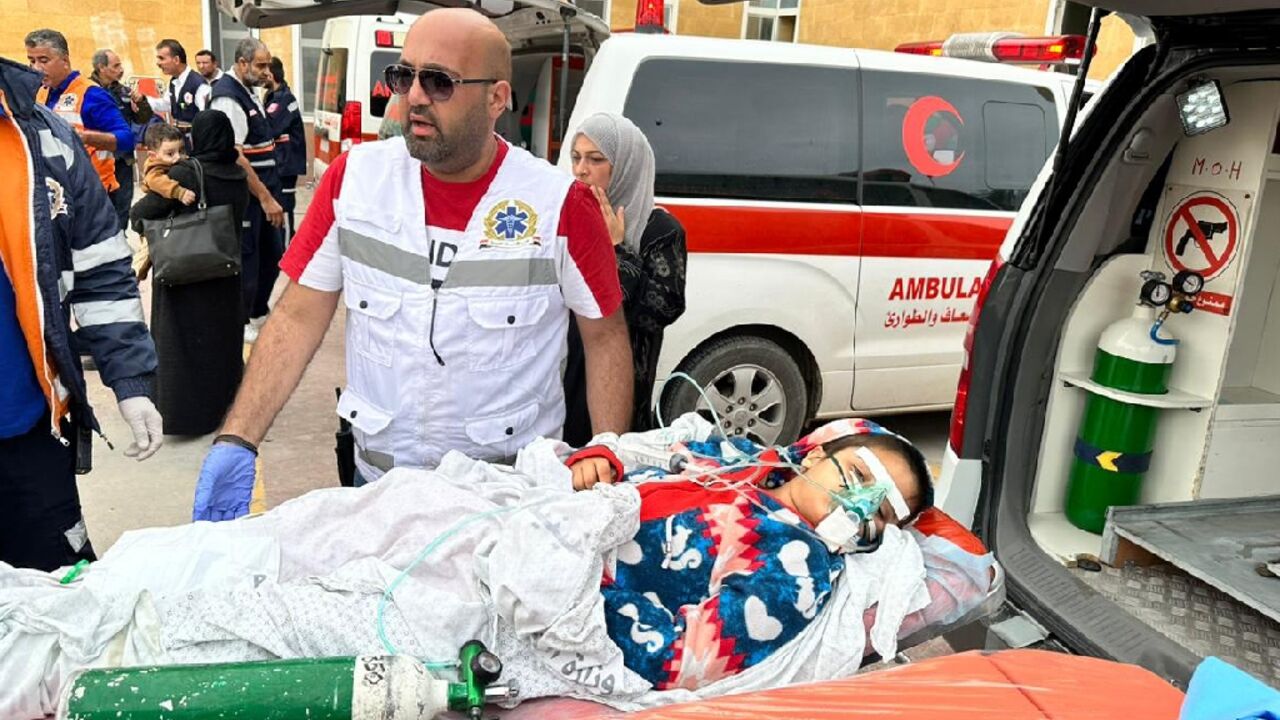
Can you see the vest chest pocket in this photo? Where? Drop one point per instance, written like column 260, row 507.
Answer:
column 503, row 330
column 371, row 315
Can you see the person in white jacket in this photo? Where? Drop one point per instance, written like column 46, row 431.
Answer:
column 459, row 258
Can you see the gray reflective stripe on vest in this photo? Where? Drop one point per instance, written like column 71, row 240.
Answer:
column 262, row 163
column 514, row 272
column 381, row 256
column 383, row 461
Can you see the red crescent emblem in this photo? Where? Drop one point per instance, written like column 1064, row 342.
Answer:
column 913, row 136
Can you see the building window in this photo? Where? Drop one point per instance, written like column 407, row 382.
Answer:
column 776, row 20
column 229, row 34
column 599, row 8
column 311, row 44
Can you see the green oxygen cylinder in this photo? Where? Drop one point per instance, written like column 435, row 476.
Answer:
column 1115, row 442
column 381, row 687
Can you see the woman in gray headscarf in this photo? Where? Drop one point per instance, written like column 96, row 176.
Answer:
column 613, row 156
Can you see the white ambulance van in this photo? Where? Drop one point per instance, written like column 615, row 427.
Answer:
column 841, row 206
column 1116, row 432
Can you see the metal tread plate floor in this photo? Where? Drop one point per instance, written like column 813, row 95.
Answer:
column 1193, row 614
column 1222, row 542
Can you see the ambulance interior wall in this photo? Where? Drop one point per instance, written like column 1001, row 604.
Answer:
column 1239, row 153
column 1253, row 361
column 1244, row 442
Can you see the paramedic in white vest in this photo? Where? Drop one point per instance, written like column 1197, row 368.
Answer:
column 459, row 258
column 187, row 92
column 233, row 95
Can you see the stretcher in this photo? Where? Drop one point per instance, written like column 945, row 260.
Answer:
column 1010, row 685
column 962, row 581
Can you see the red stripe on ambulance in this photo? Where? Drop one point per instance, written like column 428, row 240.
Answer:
column 815, row 231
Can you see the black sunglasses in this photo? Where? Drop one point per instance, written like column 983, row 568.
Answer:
column 437, row 84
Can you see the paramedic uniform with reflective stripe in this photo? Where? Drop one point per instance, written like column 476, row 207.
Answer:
column 260, row 242
column 291, row 161
column 291, row 146
column 457, row 304
column 86, row 106
column 61, row 253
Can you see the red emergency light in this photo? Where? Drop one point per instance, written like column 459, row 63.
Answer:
column 384, row 38
column 1029, row 50
column 932, row 49
column 650, row 16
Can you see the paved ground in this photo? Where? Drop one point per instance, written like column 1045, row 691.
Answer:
column 122, row 494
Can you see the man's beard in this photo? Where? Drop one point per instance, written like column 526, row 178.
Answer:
column 451, row 151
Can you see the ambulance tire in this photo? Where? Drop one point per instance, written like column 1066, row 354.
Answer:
column 737, row 370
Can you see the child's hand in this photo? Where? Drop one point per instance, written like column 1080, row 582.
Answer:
column 188, row 197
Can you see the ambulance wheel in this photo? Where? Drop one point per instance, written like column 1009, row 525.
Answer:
column 755, row 386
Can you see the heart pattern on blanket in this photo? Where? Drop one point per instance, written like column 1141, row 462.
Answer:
column 761, row 626
column 630, row 553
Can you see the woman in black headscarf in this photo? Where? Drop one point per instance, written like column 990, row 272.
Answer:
column 199, row 328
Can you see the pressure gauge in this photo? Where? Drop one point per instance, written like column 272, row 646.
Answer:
column 1188, row 282
column 1156, row 293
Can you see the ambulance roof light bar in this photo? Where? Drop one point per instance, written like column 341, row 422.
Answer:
column 650, row 16
column 1003, row 47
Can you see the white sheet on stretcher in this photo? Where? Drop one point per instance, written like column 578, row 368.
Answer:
column 305, row 580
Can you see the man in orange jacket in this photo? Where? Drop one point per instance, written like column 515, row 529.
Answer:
column 86, row 107
column 61, row 254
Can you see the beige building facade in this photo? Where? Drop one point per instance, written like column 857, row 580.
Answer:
column 883, row 24
column 133, row 27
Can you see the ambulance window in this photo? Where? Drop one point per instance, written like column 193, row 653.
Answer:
column 1013, row 162
column 331, row 91
column 749, row 130
column 379, row 93
column 952, row 142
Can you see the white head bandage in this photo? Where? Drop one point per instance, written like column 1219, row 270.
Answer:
column 885, row 480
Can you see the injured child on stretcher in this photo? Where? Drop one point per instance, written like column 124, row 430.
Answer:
column 750, row 568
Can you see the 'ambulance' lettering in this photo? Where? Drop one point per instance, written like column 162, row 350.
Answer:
column 934, row 288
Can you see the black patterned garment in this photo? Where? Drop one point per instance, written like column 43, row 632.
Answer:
column 653, row 298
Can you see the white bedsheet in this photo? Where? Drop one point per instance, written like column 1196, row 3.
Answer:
column 305, row 579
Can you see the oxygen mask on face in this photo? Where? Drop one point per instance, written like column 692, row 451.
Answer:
column 850, row 526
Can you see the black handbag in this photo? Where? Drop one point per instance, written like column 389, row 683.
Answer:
column 198, row 246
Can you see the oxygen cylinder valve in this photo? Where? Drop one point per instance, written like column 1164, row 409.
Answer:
column 478, row 669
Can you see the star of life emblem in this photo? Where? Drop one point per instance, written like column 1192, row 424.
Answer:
column 511, row 224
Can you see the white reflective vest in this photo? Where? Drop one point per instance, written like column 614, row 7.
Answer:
column 476, row 365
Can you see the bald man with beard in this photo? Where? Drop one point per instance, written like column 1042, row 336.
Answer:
column 459, row 259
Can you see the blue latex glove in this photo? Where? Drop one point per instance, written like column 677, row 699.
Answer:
column 226, row 481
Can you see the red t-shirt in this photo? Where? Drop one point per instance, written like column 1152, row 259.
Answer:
column 593, row 291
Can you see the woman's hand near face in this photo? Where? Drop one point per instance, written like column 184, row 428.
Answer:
column 614, row 218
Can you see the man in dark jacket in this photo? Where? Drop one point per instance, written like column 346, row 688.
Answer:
column 61, row 253
column 291, row 140
column 107, row 72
